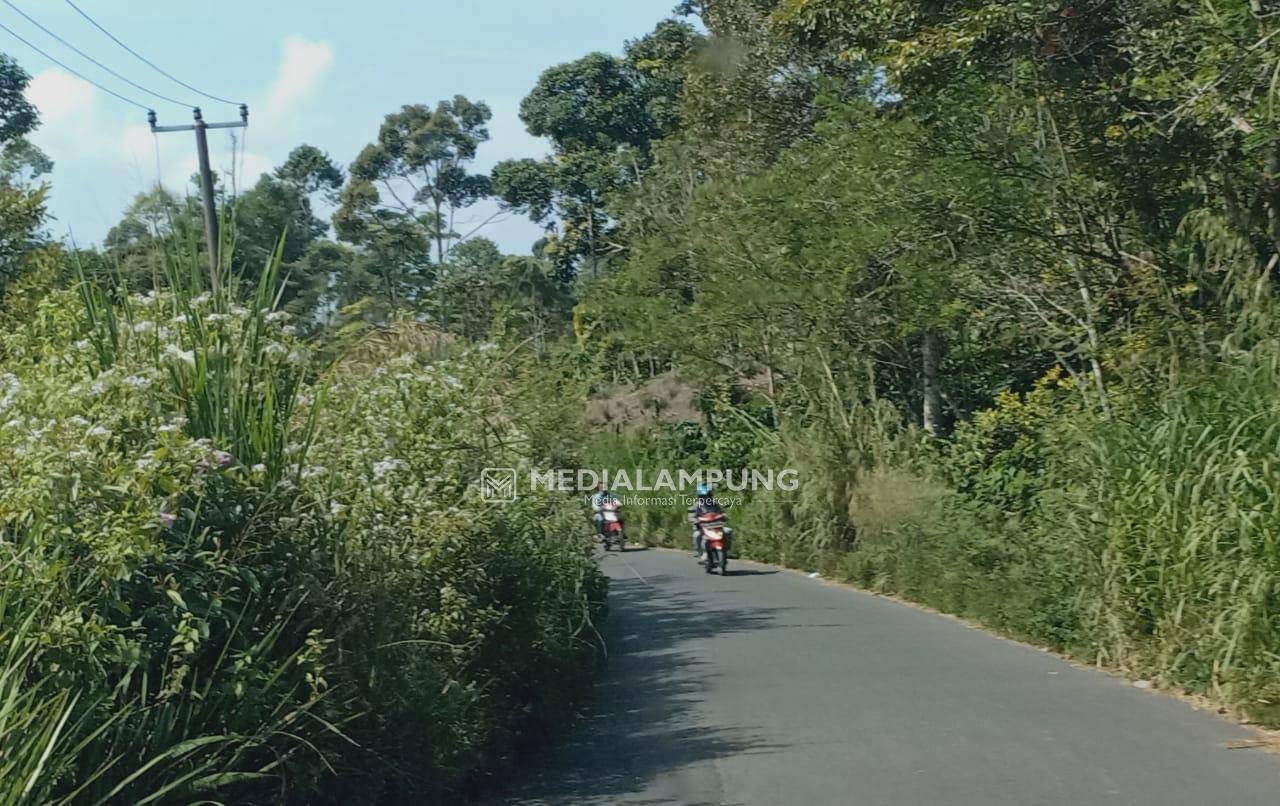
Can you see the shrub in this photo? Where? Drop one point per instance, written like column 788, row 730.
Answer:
column 231, row 575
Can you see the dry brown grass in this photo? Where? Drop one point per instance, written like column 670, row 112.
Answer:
column 397, row 338
column 664, row 399
column 888, row 497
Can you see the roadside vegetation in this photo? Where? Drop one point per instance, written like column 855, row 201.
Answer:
column 232, row 571
column 998, row 281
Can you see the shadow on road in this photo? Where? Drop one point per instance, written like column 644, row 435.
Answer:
column 643, row 722
column 749, row 572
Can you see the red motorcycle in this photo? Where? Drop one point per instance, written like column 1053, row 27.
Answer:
column 715, row 540
column 614, row 533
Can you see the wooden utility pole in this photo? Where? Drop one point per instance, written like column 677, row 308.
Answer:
column 206, row 178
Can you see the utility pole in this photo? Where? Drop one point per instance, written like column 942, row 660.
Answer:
column 206, row 178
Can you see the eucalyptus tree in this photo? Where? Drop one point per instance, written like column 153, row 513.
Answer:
column 602, row 114
column 417, row 175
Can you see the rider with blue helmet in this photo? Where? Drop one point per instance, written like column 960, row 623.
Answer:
column 704, row 503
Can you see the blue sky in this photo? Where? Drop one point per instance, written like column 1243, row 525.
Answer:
column 323, row 72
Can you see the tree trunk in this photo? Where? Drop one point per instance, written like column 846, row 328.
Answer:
column 591, row 238
column 931, row 351
column 441, row 280
column 772, row 386
column 1263, row 286
column 1095, row 342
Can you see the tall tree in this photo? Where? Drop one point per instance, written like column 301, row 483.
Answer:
column 312, row 171
column 602, row 114
column 750, row 93
column 279, row 205
column 22, row 207
column 270, row 210
column 416, row 176
column 491, row 293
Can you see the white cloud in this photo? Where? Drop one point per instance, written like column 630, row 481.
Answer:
column 59, row 95
column 302, row 65
column 105, row 153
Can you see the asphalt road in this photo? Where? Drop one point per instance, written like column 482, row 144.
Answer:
column 766, row 687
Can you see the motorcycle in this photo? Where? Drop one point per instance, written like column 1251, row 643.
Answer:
column 614, row 533
column 715, row 541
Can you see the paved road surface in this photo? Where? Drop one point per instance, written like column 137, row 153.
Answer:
column 766, row 688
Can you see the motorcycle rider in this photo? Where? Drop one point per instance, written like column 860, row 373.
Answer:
column 601, row 499
column 703, row 504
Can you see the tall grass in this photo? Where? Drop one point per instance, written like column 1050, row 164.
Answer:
column 1147, row 542
column 237, row 381
column 33, row 718
column 1178, row 511
column 218, row 586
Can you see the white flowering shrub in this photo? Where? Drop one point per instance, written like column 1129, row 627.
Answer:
column 491, row 629
column 251, row 578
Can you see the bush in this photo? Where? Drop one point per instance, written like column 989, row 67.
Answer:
column 228, row 575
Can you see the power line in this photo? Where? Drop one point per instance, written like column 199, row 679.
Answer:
column 131, row 83
column 235, row 165
column 159, row 173
column 145, row 60
column 244, row 150
column 72, row 70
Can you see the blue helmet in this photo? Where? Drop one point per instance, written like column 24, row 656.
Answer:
column 704, row 490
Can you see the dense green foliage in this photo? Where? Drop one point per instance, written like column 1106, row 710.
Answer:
column 997, row 280
column 227, row 575
column 22, row 205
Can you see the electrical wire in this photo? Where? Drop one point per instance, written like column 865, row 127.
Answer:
column 67, row 44
column 72, row 70
column 235, row 164
column 244, row 152
column 159, row 173
column 145, row 60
